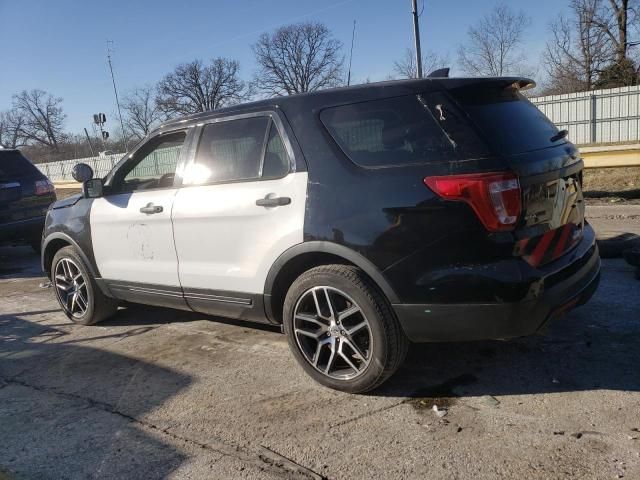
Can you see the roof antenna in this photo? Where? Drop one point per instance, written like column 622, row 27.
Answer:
column 439, row 73
column 353, row 35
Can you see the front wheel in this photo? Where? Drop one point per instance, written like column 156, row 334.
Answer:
column 77, row 292
column 342, row 330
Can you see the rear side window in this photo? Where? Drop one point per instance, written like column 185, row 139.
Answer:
column 510, row 123
column 15, row 165
column 400, row 131
column 231, row 150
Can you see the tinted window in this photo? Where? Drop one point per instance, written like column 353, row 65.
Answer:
column 231, row 150
column 14, row 165
column 276, row 159
column 153, row 165
column 509, row 121
column 394, row 131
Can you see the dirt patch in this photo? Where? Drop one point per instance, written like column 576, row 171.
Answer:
column 612, row 185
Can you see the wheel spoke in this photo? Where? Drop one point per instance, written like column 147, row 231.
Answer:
column 81, row 301
column 357, row 327
column 331, row 358
column 348, row 312
column 314, row 335
column 332, row 311
column 310, row 318
column 74, row 296
column 346, row 359
column 315, row 300
column 355, row 349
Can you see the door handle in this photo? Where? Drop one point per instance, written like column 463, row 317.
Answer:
column 273, row 201
column 150, row 208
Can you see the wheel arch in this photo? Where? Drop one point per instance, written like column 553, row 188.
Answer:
column 55, row 242
column 300, row 258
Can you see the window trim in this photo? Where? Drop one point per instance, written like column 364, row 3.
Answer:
column 182, row 158
column 274, row 120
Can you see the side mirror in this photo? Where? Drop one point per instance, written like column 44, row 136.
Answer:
column 92, row 188
column 82, row 172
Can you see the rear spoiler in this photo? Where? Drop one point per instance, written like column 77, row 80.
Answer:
column 518, row 83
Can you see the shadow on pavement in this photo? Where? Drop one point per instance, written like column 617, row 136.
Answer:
column 69, row 408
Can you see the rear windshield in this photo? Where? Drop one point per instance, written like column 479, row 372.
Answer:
column 510, row 123
column 407, row 130
column 14, row 165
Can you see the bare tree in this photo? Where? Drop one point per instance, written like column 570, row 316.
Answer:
column 298, row 58
column 495, row 44
column 194, row 87
column 11, row 124
column 578, row 49
column 142, row 112
column 406, row 66
column 43, row 117
column 613, row 18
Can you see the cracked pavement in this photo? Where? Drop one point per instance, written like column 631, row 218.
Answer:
column 156, row 393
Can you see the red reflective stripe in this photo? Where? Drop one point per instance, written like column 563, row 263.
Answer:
column 562, row 242
column 538, row 254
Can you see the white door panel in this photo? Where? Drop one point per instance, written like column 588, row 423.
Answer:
column 225, row 241
column 133, row 246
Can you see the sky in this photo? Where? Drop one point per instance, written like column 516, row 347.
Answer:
column 61, row 46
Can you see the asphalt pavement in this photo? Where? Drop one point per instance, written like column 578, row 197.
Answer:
column 157, row 393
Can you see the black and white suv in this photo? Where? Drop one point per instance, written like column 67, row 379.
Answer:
column 359, row 219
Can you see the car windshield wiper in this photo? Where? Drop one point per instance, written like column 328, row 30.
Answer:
column 559, row 136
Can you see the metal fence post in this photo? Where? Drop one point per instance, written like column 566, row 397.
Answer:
column 593, row 119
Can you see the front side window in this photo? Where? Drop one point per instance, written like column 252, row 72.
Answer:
column 153, row 165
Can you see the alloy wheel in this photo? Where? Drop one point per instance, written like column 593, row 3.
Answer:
column 332, row 332
column 71, row 287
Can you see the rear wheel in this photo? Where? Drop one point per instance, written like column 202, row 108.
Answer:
column 341, row 329
column 77, row 292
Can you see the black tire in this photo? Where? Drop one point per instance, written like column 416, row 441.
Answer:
column 388, row 346
column 632, row 256
column 98, row 306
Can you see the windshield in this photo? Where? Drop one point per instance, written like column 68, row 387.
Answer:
column 510, row 122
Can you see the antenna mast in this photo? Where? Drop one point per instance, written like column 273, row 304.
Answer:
column 115, row 90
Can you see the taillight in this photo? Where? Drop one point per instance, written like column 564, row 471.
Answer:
column 495, row 197
column 43, row 187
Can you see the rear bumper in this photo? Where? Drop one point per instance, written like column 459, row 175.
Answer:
column 28, row 229
column 556, row 291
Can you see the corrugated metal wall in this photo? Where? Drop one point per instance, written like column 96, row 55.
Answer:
column 596, row 117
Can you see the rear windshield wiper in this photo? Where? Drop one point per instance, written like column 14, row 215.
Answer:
column 559, row 136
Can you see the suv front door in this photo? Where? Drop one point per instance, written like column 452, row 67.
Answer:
column 131, row 227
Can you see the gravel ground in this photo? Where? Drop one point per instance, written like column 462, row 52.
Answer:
column 156, row 393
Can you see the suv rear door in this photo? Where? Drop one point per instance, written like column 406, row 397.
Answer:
column 240, row 206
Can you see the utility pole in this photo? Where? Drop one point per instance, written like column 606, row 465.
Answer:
column 416, row 34
column 353, row 35
column 89, row 140
column 115, row 90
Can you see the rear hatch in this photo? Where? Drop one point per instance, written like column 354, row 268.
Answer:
column 547, row 165
column 24, row 191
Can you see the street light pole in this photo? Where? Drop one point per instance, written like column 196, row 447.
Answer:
column 416, row 34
